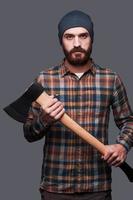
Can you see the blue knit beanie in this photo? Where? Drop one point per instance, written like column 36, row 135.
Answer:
column 75, row 18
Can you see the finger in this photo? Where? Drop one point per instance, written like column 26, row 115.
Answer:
column 112, row 158
column 52, row 96
column 55, row 108
column 56, row 111
column 107, row 155
column 113, row 161
column 117, row 162
column 60, row 114
column 46, row 108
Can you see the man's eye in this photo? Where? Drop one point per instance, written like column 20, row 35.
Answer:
column 69, row 37
column 83, row 36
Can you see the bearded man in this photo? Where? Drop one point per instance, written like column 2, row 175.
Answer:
column 73, row 169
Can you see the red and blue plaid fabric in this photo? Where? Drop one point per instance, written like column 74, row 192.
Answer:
column 69, row 163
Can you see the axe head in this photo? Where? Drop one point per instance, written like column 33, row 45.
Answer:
column 18, row 109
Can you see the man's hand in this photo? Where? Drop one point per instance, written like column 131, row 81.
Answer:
column 115, row 155
column 53, row 111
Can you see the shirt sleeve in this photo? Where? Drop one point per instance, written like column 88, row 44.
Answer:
column 123, row 114
column 34, row 128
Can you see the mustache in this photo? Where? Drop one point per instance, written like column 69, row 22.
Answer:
column 77, row 49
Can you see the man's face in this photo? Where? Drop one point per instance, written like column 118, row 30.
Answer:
column 77, row 46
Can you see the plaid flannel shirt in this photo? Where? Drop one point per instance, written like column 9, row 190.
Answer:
column 69, row 163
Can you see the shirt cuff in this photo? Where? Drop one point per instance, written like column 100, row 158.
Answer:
column 39, row 126
column 124, row 143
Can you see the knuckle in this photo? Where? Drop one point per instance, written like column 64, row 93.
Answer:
column 61, row 107
column 52, row 114
column 115, row 155
column 56, row 117
column 63, row 110
column 61, row 104
column 47, row 110
column 57, row 104
column 109, row 152
column 42, row 107
column 118, row 159
column 55, row 100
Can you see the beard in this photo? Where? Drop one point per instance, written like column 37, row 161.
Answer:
column 78, row 56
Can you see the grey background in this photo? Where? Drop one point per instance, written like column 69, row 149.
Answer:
column 28, row 44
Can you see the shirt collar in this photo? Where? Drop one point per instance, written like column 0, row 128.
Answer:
column 64, row 69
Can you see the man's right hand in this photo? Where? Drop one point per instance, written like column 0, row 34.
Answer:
column 53, row 111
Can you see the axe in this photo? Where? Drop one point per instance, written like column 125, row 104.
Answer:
column 18, row 110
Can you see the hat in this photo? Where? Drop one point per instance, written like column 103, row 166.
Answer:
column 75, row 18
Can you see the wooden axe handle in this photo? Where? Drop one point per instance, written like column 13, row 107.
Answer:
column 75, row 127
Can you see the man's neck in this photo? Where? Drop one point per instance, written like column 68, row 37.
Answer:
column 78, row 69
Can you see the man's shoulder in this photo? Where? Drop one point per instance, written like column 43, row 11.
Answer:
column 52, row 70
column 105, row 70
column 48, row 74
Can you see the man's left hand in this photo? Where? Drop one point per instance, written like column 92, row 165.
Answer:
column 115, row 154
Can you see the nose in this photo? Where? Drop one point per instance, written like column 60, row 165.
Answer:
column 76, row 42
